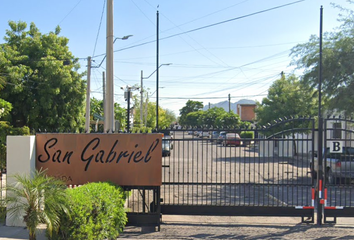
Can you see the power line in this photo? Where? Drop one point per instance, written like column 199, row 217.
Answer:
column 99, row 28
column 207, row 15
column 207, row 26
column 180, row 98
column 233, row 19
column 197, row 50
column 69, row 12
column 143, row 12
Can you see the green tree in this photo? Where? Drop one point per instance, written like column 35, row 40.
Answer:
column 35, row 200
column 286, row 97
column 41, row 72
column 193, row 119
column 338, row 70
column 120, row 115
column 166, row 116
column 228, row 120
column 96, row 107
column 209, row 118
column 191, row 106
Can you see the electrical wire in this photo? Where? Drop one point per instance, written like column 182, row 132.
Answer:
column 223, row 9
column 69, row 12
column 99, row 27
column 207, row 26
column 195, row 49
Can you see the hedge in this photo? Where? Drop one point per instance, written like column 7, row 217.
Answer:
column 97, row 212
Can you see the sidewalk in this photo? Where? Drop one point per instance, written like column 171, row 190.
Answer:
column 14, row 233
column 212, row 227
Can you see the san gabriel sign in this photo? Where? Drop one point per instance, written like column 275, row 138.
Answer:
column 124, row 159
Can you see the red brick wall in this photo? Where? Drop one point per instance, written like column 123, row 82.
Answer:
column 247, row 112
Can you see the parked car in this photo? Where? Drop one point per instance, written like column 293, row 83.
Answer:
column 338, row 165
column 203, row 135
column 168, row 139
column 214, row 136
column 166, row 149
column 232, row 139
column 221, row 137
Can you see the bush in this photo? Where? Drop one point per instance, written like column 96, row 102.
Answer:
column 2, row 157
column 141, row 130
column 97, row 212
column 247, row 134
column 2, row 214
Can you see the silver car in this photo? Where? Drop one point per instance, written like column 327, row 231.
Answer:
column 339, row 166
column 214, row 136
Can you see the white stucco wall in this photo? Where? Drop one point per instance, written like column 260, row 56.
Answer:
column 285, row 148
column 21, row 156
column 266, row 148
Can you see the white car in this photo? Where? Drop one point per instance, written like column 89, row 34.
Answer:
column 203, row 135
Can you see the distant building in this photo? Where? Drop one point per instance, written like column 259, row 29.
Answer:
column 246, row 111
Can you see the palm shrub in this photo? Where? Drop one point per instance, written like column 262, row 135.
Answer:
column 97, row 212
column 36, row 200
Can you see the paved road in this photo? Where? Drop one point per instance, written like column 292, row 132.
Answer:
column 206, row 227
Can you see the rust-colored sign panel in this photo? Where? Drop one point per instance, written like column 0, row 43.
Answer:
column 124, row 159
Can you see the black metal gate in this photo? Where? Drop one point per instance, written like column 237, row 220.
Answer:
column 338, row 163
column 267, row 174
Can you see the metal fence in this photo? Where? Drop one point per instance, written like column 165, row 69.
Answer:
column 338, row 163
column 266, row 175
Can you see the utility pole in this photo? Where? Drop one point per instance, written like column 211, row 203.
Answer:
column 109, row 117
column 209, row 105
column 320, row 132
column 104, row 93
column 229, row 103
column 87, row 120
column 128, row 110
column 146, row 108
column 157, row 70
column 141, row 99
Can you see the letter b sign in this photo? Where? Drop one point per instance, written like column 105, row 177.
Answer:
column 335, row 146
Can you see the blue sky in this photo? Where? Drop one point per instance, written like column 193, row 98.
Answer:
column 241, row 57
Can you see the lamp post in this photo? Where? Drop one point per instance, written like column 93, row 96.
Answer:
column 122, row 38
column 109, row 98
column 127, row 95
column 142, row 90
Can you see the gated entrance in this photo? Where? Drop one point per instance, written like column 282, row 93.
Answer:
column 264, row 175
column 268, row 171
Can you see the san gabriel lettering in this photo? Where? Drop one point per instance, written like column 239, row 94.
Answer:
column 92, row 153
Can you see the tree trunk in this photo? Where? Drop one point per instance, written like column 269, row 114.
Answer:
column 294, row 146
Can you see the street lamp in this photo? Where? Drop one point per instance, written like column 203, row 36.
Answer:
column 157, row 97
column 109, row 99
column 127, row 96
column 122, row 38
column 157, row 87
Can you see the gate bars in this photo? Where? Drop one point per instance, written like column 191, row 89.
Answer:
column 267, row 175
column 338, row 198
